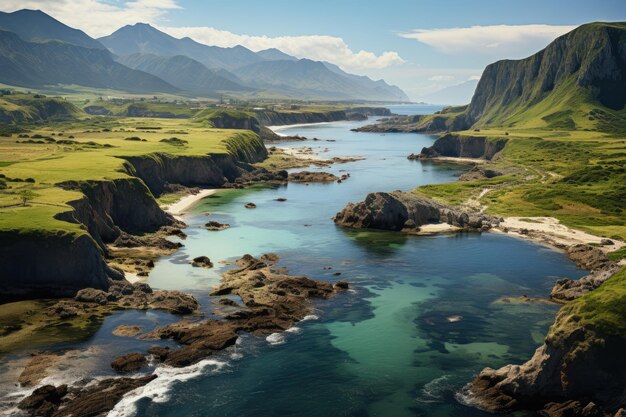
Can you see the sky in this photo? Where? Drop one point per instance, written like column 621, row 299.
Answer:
column 420, row 45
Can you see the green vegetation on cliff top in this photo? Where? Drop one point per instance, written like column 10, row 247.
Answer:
column 92, row 150
column 602, row 310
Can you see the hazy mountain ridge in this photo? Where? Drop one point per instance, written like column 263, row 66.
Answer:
column 145, row 39
column 31, row 64
column 36, row 26
column 182, row 72
column 453, row 95
column 45, row 51
column 269, row 69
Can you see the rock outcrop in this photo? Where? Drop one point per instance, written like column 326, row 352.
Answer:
column 92, row 400
column 308, row 176
column 577, row 364
column 130, row 362
column 453, row 145
column 400, row 210
column 277, row 118
column 587, row 257
column 272, row 302
column 581, row 369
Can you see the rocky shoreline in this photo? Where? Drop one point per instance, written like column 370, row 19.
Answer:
column 577, row 372
column 407, row 212
column 271, row 301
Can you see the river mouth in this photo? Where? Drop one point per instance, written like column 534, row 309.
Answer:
column 424, row 315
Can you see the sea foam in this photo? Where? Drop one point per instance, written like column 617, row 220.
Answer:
column 158, row 390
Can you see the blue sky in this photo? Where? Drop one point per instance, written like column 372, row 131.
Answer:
column 420, row 45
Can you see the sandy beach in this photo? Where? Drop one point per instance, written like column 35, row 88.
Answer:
column 185, row 203
column 550, row 231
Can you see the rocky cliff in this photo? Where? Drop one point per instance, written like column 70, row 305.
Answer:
column 34, row 265
column 579, row 371
column 159, row 170
column 453, row 145
column 587, row 64
column 406, row 211
column 278, row 118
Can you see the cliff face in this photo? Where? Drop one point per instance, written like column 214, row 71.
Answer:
column 109, row 207
column 585, row 65
column 453, row 145
column 581, row 364
column 202, row 171
column 58, row 266
column 278, row 118
column 33, row 266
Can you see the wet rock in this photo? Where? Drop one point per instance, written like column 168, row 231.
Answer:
column 129, row 363
column 571, row 409
column 588, row 257
column 44, row 401
column 213, row 225
column 272, row 302
column 569, row 289
column 342, row 285
column 100, row 398
column 607, row 242
column 124, row 295
column 227, row 302
column 281, row 199
column 125, row 330
column 392, row 211
column 92, row 295
column 270, row 257
column 202, row 262
column 159, row 352
column 250, row 205
column 37, row 368
column 176, row 302
column 307, row 176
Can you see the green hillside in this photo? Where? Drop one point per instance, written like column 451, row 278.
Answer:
column 30, row 64
column 33, row 108
column 578, row 82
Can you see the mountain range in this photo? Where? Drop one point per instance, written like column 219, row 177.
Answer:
column 453, row 95
column 37, row 50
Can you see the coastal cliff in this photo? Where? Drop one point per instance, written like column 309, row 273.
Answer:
column 278, row 118
column 463, row 146
column 35, row 266
column 58, row 264
column 579, row 371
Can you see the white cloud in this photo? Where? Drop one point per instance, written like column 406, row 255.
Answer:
column 97, row 17
column 473, row 78
column 511, row 41
column 100, row 17
column 442, row 78
column 318, row 47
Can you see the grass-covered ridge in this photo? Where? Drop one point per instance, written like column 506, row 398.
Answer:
column 93, row 150
column 29, row 108
column 602, row 310
column 579, row 177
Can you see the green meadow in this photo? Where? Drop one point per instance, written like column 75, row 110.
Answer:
column 91, row 149
column 577, row 176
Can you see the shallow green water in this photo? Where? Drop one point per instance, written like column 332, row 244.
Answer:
column 386, row 348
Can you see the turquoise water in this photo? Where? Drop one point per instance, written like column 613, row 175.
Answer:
column 385, row 348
